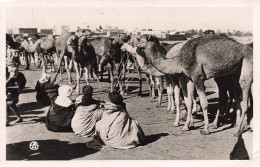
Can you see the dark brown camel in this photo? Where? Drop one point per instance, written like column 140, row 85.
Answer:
column 87, row 58
column 229, row 89
column 203, row 58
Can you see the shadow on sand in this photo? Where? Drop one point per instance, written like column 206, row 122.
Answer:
column 153, row 137
column 26, row 108
column 48, row 150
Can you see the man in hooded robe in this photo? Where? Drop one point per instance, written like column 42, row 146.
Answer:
column 87, row 114
column 61, row 111
column 116, row 128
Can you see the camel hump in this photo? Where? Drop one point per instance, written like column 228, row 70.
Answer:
column 174, row 51
column 188, row 51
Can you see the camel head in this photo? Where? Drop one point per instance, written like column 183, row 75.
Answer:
column 82, row 41
column 143, row 40
column 73, row 45
column 24, row 43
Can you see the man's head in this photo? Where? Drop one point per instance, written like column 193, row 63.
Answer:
column 12, row 67
column 87, row 90
column 115, row 97
column 65, row 90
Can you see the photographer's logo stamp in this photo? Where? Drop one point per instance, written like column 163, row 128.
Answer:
column 34, row 145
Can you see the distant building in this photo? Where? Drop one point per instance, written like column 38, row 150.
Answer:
column 46, row 31
column 157, row 33
column 28, row 31
column 175, row 37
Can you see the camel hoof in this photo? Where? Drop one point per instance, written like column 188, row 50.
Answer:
column 213, row 126
column 205, row 132
column 185, row 128
column 139, row 94
column 175, row 124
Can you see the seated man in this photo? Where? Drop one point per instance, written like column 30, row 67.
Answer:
column 45, row 91
column 14, row 84
column 61, row 111
column 87, row 113
column 116, row 128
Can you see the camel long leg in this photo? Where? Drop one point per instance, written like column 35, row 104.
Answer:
column 110, row 70
column 95, row 75
column 140, row 77
column 169, row 88
column 194, row 107
column 191, row 89
column 199, row 84
column 27, row 66
column 245, row 81
column 222, row 100
column 160, row 90
column 186, row 89
column 76, row 65
column 44, row 62
column 87, row 69
column 66, row 61
column 59, row 67
column 152, row 87
column 177, row 102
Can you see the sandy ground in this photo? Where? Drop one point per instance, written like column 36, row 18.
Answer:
column 163, row 141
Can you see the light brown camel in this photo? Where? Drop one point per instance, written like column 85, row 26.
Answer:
column 32, row 48
column 40, row 49
column 66, row 49
column 102, row 48
column 203, row 58
column 173, row 82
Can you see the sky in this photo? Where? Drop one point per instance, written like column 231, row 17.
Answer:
column 157, row 18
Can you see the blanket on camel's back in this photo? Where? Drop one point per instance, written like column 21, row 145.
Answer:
column 117, row 129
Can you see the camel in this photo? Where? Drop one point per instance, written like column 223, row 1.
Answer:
column 87, row 58
column 228, row 84
column 31, row 49
column 203, row 58
column 61, row 44
column 121, row 61
column 67, row 47
column 40, row 50
column 173, row 82
column 102, row 48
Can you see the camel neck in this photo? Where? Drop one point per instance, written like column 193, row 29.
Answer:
column 156, row 55
column 148, row 68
